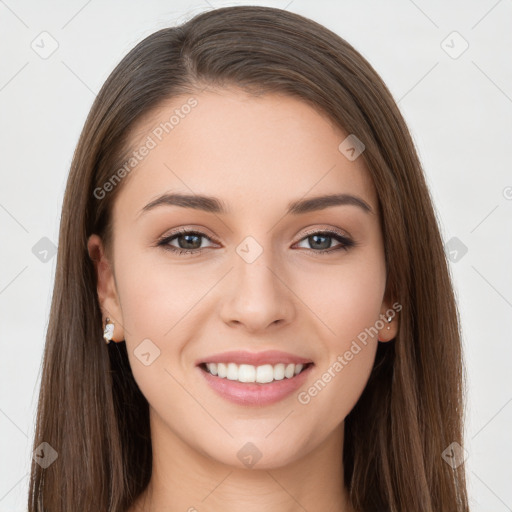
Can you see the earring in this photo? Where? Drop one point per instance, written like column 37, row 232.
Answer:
column 108, row 333
column 389, row 318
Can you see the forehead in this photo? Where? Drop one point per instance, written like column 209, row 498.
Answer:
column 252, row 152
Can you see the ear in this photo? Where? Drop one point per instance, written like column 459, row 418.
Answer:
column 106, row 286
column 389, row 316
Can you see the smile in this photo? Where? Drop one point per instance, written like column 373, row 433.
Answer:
column 249, row 385
column 262, row 374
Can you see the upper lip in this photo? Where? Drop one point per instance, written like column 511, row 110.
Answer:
column 254, row 358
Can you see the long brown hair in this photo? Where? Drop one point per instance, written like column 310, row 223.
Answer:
column 90, row 409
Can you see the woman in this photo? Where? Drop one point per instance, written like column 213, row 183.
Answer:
column 247, row 226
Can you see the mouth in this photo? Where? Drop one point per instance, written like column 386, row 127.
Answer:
column 261, row 374
column 250, row 385
column 255, row 378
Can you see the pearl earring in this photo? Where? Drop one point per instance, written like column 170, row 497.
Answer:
column 389, row 320
column 108, row 333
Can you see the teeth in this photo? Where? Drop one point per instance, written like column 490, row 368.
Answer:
column 249, row 373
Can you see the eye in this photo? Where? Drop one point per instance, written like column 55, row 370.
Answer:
column 188, row 242
column 320, row 241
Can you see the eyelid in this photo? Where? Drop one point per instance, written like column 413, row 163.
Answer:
column 325, row 229
column 192, row 229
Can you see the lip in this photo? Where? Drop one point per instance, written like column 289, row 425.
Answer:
column 255, row 358
column 255, row 394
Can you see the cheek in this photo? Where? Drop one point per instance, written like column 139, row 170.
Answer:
column 154, row 295
column 155, row 300
column 346, row 298
column 348, row 301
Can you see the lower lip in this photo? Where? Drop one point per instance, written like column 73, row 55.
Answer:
column 251, row 393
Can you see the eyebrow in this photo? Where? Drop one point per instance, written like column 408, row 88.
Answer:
column 213, row 205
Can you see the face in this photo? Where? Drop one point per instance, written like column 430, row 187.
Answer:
column 190, row 280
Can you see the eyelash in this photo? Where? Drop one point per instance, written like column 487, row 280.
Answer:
column 347, row 243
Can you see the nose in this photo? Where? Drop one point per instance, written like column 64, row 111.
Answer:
column 258, row 296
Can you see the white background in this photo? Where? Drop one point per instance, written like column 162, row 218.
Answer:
column 459, row 111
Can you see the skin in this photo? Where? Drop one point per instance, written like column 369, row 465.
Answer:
column 256, row 154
